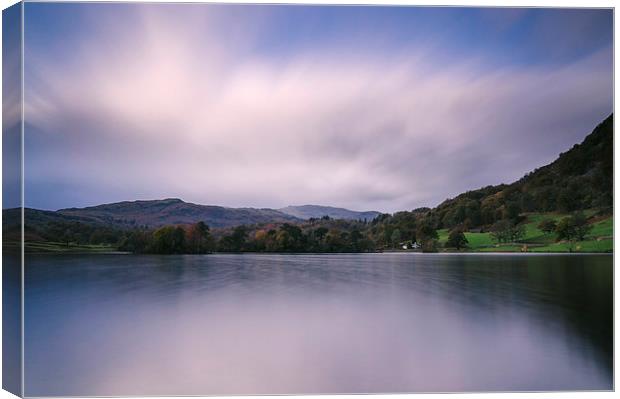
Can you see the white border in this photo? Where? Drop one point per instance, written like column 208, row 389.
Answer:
column 479, row 3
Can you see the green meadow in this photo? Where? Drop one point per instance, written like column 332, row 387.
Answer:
column 599, row 239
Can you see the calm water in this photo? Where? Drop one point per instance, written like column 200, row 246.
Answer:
column 235, row 324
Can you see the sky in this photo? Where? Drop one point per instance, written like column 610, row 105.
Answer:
column 368, row 108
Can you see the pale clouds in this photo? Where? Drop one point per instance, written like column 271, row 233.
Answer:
column 160, row 107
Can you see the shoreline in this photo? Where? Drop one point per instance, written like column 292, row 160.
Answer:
column 15, row 248
column 450, row 253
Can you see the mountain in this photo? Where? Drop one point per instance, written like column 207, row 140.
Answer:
column 580, row 178
column 172, row 211
column 152, row 213
column 316, row 211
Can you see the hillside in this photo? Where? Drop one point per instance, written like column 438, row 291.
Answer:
column 581, row 178
column 316, row 211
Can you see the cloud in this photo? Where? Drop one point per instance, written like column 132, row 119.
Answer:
column 163, row 106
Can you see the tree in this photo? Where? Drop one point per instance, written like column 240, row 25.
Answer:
column 574, row 227
column 500, row 230
column 67, row 237
column 517, row 232
column 426, row 232
column 333, row 240
column 457, row 239
column 271, row 243
column 507, row 231
column 356, row 238
column 320, row 233
column 169, row 240
column 137, row 242
column 199, row 240
column 295, row 242
column 366, row 245
column 582, row 228
column 547, row 226
column 406, row 223
column 566, row 229
column 512, row 211
column 395, row 238
column 234, row 242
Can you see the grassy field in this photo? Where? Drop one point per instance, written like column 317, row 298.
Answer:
column 476, row 240
column 604, row 228
column 600, row 238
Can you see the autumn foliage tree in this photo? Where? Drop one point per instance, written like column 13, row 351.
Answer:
column 199, row 239
column 457, row 239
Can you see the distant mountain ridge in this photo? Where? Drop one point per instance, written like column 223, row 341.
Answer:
column 173, row 211
column 317, row 211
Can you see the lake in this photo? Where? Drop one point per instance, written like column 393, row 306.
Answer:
column 344, row 323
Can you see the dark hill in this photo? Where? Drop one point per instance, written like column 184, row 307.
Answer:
column 581, row 178
column 156, row 213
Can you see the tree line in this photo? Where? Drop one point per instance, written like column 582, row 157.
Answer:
column 315, row 235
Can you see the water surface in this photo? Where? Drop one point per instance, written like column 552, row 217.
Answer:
column 272, row 324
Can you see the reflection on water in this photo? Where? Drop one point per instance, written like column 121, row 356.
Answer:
column 241, row 324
